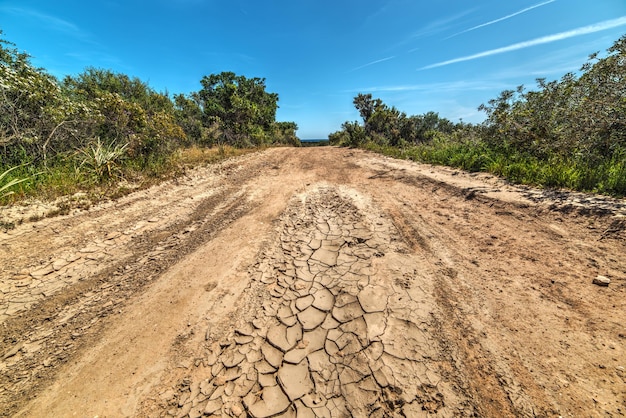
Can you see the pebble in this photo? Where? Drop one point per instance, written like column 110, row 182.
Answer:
column 601, row 281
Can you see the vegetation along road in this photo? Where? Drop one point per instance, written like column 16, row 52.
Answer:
column 318, row 282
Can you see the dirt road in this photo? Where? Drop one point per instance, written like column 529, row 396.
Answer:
column 318, row 282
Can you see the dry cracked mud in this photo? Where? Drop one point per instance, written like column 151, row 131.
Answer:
column 318, row 282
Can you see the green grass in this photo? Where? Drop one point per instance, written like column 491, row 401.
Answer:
column 100, row 178
column 608, row 177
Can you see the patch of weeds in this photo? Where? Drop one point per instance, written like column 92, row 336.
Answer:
column 7, row 225
column 64, row 208
column 52, row 213
column 35, row 218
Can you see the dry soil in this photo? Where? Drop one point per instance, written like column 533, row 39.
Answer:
column 318, row 282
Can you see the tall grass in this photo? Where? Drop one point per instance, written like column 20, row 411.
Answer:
column 607, row 177
column 6, row 182
column 101, row 172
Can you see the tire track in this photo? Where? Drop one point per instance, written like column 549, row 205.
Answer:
column 334, row 330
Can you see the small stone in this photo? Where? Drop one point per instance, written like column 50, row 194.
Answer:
column 601, row 281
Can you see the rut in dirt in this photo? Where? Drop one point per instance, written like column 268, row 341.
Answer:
column 335, row 328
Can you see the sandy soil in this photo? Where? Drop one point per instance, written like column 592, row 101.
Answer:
column 318, row 282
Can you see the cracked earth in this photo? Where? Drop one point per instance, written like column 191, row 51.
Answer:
column 318, row 282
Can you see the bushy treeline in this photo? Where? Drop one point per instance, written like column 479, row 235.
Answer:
column 566, row 133
column 384, row 125
column 99, row 123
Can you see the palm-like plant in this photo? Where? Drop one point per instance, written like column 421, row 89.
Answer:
column 4, row 187
column 102, row 160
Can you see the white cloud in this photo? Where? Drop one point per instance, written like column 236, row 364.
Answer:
column 519, row 12
column 608, row 24
column 372, row 63
column 52, row 21
column 440, row 25
column 434, row 87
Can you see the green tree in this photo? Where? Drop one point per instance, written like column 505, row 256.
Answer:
column 133, row 113
column 242, row 107
column 582, row 117
column 285, row 133
column 36, row 119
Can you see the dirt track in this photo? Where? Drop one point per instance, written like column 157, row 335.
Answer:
column 320, row 282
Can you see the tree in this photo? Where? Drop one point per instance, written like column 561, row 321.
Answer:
column 94, row 82
column 366, row 106
column 285, row 133
column 134, row 115
column 243, row 108
column 582, row 117
column 36, row 119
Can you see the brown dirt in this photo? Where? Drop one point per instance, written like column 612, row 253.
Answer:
column 318, row 282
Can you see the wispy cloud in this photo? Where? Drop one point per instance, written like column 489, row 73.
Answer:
column 440, row 25
column 49, row 20
column 491, row 22
column 372, row 63
column 433, row 87
column 607, row 24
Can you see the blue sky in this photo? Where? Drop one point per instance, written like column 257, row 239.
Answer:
column 447, row 56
